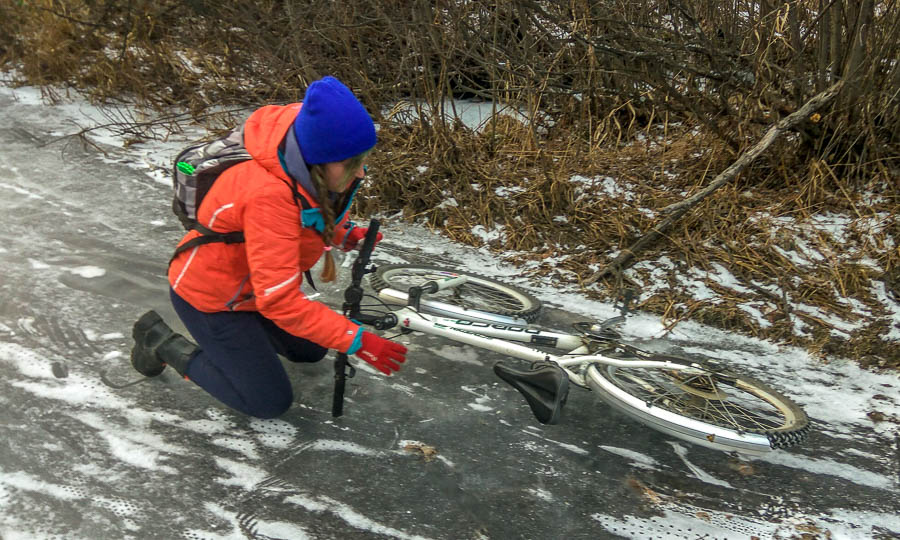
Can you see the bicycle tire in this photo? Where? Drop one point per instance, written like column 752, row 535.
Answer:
column 759, row 420
column 481, row 298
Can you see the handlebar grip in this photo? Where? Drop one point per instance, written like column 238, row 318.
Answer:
column 369, row 241
column 354, row 293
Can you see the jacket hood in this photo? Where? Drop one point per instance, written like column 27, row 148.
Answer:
column 264, row 131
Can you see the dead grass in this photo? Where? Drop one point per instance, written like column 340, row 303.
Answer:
column 662, row 120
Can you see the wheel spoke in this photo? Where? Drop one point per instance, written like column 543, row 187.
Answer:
column 701, row 397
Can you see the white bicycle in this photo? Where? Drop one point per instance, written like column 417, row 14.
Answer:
column 697, row 400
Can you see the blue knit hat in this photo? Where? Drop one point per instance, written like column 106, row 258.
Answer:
column 332, row 124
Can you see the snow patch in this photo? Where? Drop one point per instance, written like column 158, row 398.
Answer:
column 88, row 271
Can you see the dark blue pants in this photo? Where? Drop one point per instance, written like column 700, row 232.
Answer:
column 238, row 361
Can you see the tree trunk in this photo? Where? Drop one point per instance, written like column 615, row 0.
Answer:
column 858, row 45
column 797, row 46
column 824, row 48
column 836, row 39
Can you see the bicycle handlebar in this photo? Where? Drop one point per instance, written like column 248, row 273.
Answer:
column 352, row 297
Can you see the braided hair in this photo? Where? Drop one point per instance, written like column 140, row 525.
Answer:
column 317, row 173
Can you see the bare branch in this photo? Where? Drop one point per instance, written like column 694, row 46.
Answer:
column 676, row 211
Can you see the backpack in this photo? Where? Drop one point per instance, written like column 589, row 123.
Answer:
column 197, row 167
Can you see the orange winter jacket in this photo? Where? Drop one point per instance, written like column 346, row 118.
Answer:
column 265, row 271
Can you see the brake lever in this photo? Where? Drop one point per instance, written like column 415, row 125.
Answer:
column 379, row 322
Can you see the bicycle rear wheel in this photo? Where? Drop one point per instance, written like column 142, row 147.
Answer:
column 717, row 408
column 480, row 298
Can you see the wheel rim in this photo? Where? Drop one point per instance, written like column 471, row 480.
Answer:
column 736, row 405
column 475, row 294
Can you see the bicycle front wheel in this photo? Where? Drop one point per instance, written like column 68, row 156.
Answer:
column 715, row 408
column 480, row 298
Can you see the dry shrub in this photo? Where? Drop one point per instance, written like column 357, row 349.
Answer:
column 659, row 95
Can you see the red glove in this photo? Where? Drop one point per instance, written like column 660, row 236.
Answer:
column 385, row 355
column 355, row 236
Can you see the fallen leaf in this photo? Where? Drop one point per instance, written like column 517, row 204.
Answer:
column 427, row 451
column 741, row 467
column 643, row 490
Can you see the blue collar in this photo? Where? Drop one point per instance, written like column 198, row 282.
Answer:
column 312, row 217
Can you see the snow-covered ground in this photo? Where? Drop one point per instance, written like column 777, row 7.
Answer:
column 83, row 252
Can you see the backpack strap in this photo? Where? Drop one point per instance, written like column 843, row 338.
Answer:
column 299, row 199
column 207, row 236
column 304, row 205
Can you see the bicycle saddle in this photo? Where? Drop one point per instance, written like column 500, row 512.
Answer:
column 545, row 386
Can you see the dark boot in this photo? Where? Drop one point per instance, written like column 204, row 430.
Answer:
column 156, row 345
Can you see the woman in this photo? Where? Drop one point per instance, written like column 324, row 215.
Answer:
column 242, row 301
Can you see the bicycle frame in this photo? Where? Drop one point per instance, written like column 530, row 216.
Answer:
column 505, row 339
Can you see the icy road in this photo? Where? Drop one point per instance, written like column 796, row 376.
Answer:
column 441, row 450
